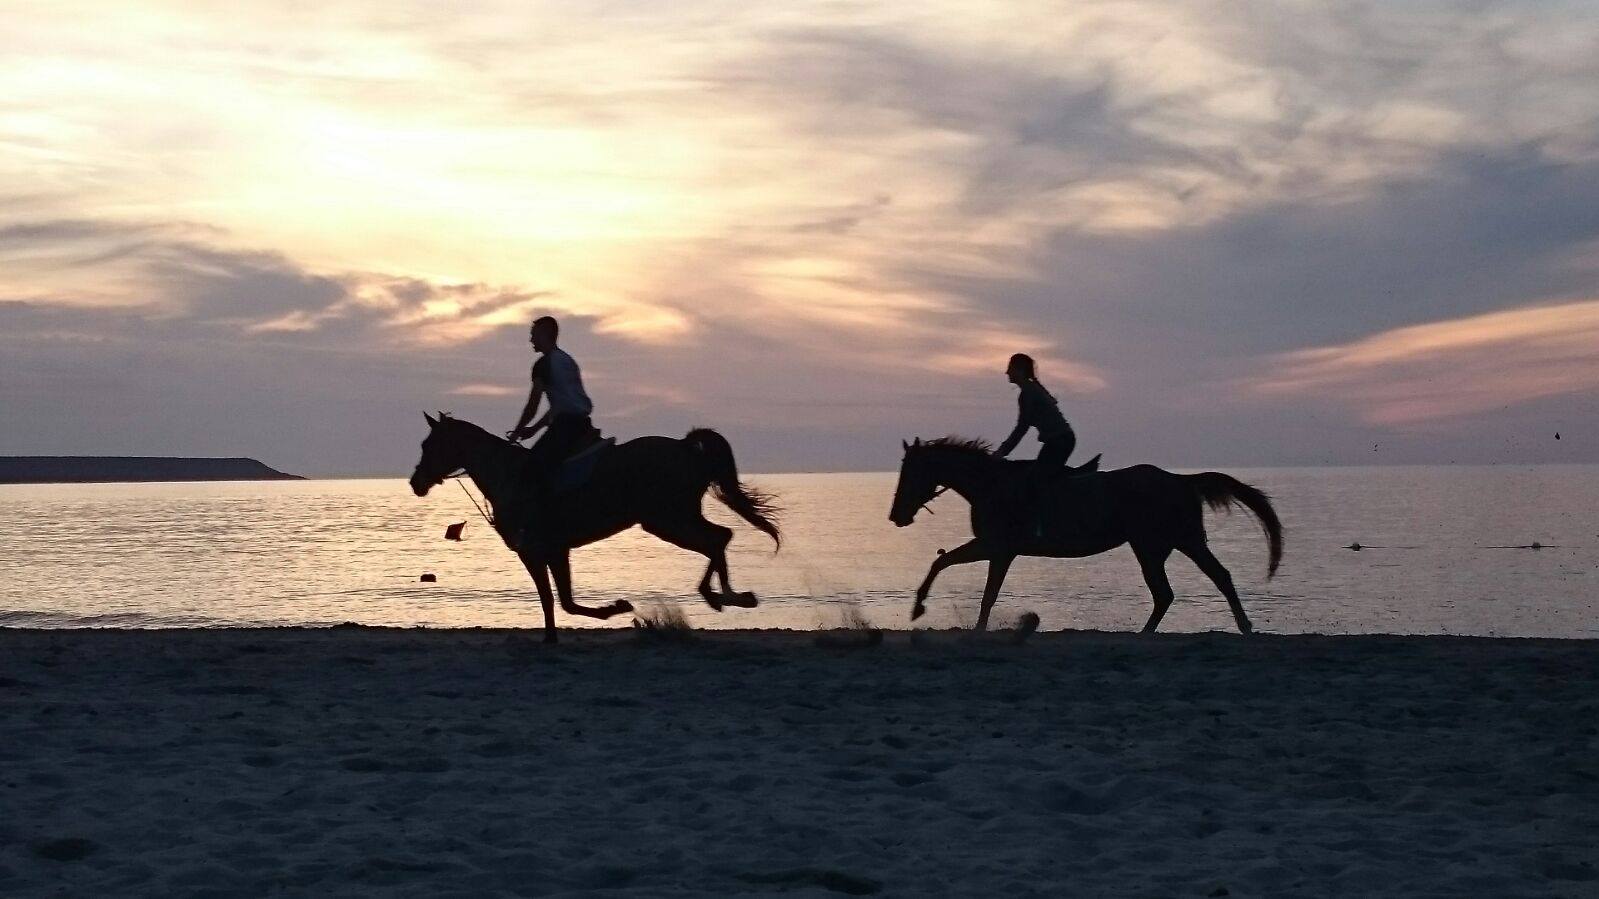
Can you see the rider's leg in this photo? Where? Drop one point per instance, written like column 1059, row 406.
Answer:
column 1052, row 454
column 559, row 440
column 1057, row 449
column 546, row 456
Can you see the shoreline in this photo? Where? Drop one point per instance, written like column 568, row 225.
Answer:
column 891, row 635
column 471, row 761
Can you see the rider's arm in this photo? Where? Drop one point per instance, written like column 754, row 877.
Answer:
column 1023, row 422
column 1015, row 437
column 534, row 397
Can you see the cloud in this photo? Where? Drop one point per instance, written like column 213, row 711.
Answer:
column 828, row 226
column 484, row 390
column 1445, row 369
column 182, row 273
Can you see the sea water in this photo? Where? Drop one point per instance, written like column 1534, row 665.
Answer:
column 1442, row 553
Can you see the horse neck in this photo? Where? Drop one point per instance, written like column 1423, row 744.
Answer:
column 494, row 466
column 967, row 475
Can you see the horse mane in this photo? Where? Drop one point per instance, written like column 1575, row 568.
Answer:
column 970, row 445
column 475, row 430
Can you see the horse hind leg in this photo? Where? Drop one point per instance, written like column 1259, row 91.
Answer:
column 710, row 540
column 1153, row 562
column 1217, row 572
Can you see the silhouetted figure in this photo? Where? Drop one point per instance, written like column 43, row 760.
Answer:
column 653, row 482
column 1036, row 408
column 567, row 426
column 556, row 376
column 1083, row 514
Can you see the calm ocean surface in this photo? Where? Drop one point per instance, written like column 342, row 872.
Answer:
column 325, row 552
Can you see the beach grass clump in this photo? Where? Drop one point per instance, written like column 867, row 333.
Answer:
column 855, row 632
column 662, row 621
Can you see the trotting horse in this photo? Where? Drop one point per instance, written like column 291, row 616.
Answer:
column 1020, row 510
column 653, row 482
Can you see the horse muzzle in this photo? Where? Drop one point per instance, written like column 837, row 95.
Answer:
column 419, row 486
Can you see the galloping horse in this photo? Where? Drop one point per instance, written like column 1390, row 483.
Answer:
column 1020, row 510
column 654, row 482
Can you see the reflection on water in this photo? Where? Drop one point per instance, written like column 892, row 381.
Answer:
column 324, row 552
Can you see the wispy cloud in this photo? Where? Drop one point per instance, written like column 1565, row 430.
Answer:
column 484, row 390
column 1450, row 368
column 853, row 200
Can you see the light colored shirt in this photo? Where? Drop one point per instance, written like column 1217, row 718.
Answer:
column 563, row 383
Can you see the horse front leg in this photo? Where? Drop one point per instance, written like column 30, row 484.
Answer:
column 997, row 569
column 561, row 567
column 971, row 551
column 541, row 579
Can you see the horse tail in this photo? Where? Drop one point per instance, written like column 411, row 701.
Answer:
column 1220, row 491
column 754, row 506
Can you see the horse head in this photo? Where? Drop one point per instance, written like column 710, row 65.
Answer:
column 929, row 466
column 917, row 484
column 442, row 455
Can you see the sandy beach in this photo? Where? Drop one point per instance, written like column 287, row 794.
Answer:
column 358, row 761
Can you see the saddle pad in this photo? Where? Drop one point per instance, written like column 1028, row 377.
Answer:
column 576, row 470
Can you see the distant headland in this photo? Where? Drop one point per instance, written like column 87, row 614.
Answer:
column 105, row 469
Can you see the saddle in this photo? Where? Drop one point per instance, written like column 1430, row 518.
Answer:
column 575, row 470
column 1037, row 495
column 1089, row 467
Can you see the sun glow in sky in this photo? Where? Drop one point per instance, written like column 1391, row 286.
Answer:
column 1229, row 231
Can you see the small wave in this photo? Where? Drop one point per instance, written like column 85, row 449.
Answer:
column 138, row 620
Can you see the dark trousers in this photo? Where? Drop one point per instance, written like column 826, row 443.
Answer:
column 559, row 441
column 1058, row 448
column 564, row 435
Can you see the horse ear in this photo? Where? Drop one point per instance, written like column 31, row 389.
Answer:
column 918, row 442
column 432, row 422
column 904, row 444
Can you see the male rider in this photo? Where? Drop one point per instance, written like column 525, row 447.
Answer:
column 557, row 376
column 566, row 424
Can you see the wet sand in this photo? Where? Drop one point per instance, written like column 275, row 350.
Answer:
column 359, row 761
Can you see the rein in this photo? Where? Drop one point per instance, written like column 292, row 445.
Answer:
column 462, row 484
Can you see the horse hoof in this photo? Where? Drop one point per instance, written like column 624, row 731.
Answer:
column 745, row 600
column 918, row 611
column 713, row 599
column 622, row 606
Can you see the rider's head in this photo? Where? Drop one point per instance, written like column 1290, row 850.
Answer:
column 1021, row 369
column 544, row 332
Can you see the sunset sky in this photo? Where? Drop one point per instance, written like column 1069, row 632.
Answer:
column 1232, row 233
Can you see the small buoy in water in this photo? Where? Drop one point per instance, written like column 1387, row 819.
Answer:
column 453, row 532
column 1353, row 546
column 1536, row 545
column 429, row 577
